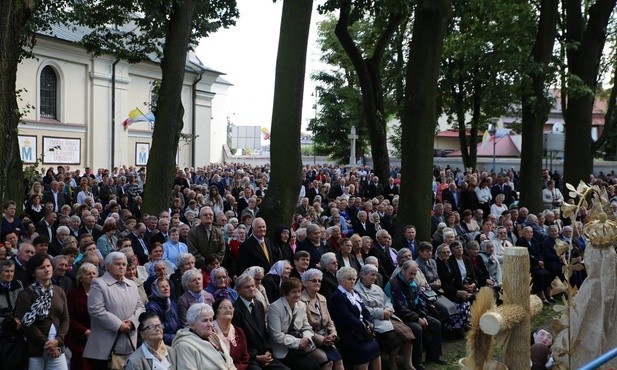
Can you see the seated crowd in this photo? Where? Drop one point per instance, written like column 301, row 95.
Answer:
column 200, row 286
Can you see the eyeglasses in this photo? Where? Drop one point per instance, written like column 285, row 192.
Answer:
column 315, row 281
column 153, row 327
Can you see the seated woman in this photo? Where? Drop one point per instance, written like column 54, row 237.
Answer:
column 477, row 264
column 197, row 347
column 457, row 288
column 192, row 281
column 353, row 321
column 487, row 253
column 278, row 273
column 185, row 262
column 157, row 270
column 346, row 256
column 161, row 304
column 392, row 334
column 153, row 353
column 291, row 334
column 219, row 285
column 329, row 266
column 230, row 335
column 318, row 316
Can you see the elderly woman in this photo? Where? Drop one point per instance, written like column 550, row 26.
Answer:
column 346, row 256
column 257, row 273
column 477, row 264
column 354, row 323
column 219, row 285
column 114, row 307
column 156, row 270
column 280, row 243
column 131, row 274
column 197, row 347
column 290, row 332
column 153, row 354
column 239, row 238
column 356, row 248
column 44, row 316
column 79, row 323
column 329, row 266
column 273, row 280
column 392, row 334
column 318, row 316
column 499, row 207
column 9, row 290
column 458, row 282
column 161, row 304
column 193, row 284
column 231, row 335
column 185, row 262
column 487, row 253
column 107, row 242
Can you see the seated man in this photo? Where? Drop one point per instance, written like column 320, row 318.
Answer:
column 403, row 292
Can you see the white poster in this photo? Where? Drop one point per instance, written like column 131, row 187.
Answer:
column 58, row 150
column 142, row 152
column 27, row 148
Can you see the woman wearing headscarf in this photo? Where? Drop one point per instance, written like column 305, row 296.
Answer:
column 219, row 285
column 161, row 304
column 274, row 278
column 280, row 243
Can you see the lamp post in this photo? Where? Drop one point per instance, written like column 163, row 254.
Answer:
column 492, row 130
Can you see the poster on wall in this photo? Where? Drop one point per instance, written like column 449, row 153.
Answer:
column 27, row 148
column 60, row 150
column 142, row 151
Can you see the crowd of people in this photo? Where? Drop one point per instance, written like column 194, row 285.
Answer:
column 85, row 272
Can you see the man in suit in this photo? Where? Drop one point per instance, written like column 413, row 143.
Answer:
column 312, row 244
column 257, row 249
column 46, row 226
column 409, row 241
column 250, row 315
column 55, row 196
column 501, row 188
column 138, row 243
column 452, row 195
column 163, row 235
column 384, row 252
column 90, row 227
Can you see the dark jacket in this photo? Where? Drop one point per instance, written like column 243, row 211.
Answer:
column 407, row 302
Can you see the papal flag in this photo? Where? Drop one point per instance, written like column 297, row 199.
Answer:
column 136, row 115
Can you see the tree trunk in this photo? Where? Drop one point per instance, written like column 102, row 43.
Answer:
column 284, row 188
column 419, row 115
column 609, row 133
column 169, row 112
column 536, row 107
column 12, row 20
column 583, row 65
column 368, row 72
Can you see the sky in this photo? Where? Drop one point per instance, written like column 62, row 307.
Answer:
column 246, row 53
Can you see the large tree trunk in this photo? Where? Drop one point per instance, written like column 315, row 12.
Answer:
column 583, row 65
column 169, row 112
column 536, row 107
column 12, row 21
column 285, row 181
column 419, row 117
column 368, row 72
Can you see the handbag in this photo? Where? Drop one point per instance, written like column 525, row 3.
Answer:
column 13, row 350
column 117, row 361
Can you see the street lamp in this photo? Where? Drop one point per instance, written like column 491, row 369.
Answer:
column 492, row 130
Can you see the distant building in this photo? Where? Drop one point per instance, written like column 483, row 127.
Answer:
column 66, row 95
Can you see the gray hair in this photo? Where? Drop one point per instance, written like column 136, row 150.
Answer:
column 346, row 272
column 371, row 260
column 326, row 258
column 311, row 274
column 254, row 270
column 85, row 267
column 111, row 257
column 300, row 233
column 184, row 258
column 484, row 245
column 6, row 263
column 57, row 259
column 188, row 276
column 197, row 310
column 401, row 253
column 75, row 218
column 243, row 280
column 367, row 269
column 409, row 264
column 63, row 229
column 68, row 240
column 311, row 229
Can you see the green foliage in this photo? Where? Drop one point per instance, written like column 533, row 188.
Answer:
column 134, row 29
column 339, row 97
